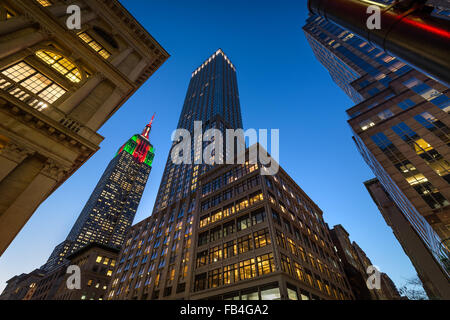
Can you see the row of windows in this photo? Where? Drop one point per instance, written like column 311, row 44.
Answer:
column 236, row 272
column 233, row 248
column 229, row 177
column 228, row 194
column 231, row 209
column 413, row 176
column 239, row 224
column 306, row 276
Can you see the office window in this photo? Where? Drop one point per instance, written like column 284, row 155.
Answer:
column 243, row 222
column 366, row 124
column 230, row 274
column 229, row 228
column 286, row 264
column 214, row 278
column 215, row 234
column 270, row 294
column 298, row 272
column 292, row 293
column 247, row 269
column 438, row 128
column 385, row 114
column 245, row 244
column 265, row 264
column 256, row 197
column 204, row 221
column 215, row 254
column 276, row 217
column 203, row 238
column 406, row 104
column 202, row 258
column 280, row 239
column 258, row 217
column 262, row 238
column 423, row 149
column 250, row 294
column 416, row 179
column 229, row 249
column 200, row 282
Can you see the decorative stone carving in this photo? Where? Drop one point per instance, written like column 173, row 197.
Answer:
column 15, row 152
column 54, row 170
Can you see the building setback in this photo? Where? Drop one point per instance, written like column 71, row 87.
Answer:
column 432, row 276
column 57, row 88
column 400, row 126
column 110, row 210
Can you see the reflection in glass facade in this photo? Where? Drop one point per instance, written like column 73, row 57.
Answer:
column 110, row 210
column 400, row 125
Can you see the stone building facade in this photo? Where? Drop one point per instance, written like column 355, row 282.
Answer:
column 57, row 88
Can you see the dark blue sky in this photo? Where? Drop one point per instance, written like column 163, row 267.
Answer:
column 281, row 86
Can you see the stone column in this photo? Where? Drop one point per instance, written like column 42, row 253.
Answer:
column 18, row 179
column 79, row 95
column 21, row 209
column 11, row 156
column 15, row 45
column 105, row 109
column 136, row 72
column 121, row 57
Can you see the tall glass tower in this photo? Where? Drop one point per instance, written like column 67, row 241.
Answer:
column 400, row 125
column 110, row 210
column 213, row 98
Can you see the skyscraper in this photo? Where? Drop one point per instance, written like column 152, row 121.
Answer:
column 213, row 98
column 110, row 210
column 57, row 88
column 400, row 126
column 224, row 231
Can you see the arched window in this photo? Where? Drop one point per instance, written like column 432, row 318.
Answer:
column 60, row 64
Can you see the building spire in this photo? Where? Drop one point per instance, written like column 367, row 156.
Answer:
column 148, row 127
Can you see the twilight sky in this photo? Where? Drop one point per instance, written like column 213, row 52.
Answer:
column 281, row 86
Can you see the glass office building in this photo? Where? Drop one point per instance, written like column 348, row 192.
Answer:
column 400, row 124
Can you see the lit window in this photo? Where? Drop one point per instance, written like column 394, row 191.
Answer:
column 33, row 82
column 94, row 45
column 60, row 64
column 44, row 3
column 366, row 124
column 99, row 258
